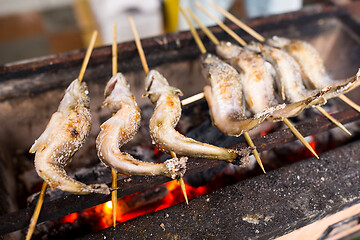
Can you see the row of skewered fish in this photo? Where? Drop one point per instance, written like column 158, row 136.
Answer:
column 70, row 125
column 299, row 75
column 292, row 67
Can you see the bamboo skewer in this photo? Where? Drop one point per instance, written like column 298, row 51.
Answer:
column 331, row 118
column 181, row 182
column 146, row 70
column 222, row 25
column 349, row 102
column 114, row 51
column 40, row 201
column 286, row 121
column 208, row 33
column 191, row 99
column 139, row 46
column 235, row 20
column 299, row 136
column 216, row 42
column 87, row 55
column 37, row 210
column 262, row 39
column 113, row 171
column 114, row 195
column 193, row 32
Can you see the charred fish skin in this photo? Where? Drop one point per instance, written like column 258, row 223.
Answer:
column 64, row 135
column 121, row 128
column 225, row 97
column 165, row 118
column 257, row 80
column 312, row 66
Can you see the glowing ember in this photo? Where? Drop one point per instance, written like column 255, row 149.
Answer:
column 100, row 216
column 70, row 218
column 108, row 205
column 263, row 133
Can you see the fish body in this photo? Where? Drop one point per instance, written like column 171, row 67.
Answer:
column 312, row 66
column 255, row 75
column 64, row 135
column 166, row 116
column 257, row 81
column 121, row 128
column 313, row 70
column 288, row 73
column 225, row 97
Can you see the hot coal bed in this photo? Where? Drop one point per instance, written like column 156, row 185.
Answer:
column 296, row 190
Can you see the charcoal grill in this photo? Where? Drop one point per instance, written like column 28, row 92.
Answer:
column 31, row 85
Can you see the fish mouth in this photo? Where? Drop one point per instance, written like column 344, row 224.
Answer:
column 208, row 58
column 78, row 90
column 117, row 81
column 155, row 82
column 110, row 87
column 225, row 50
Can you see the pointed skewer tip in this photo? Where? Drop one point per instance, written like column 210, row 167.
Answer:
column 300, row 137
column 255, row 152
column 183, row 189
column 332, row 119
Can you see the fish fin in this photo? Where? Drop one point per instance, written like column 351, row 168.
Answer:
column 53, row 186
column 176, row 91
column 283, row 92
column 45, row 137
column 102, row 126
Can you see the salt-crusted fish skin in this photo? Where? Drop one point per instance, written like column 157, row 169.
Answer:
column 257, row 81
column 288, row 73
column 64, row 135
column 225, row 97
column 121, row 128
column 312, row 66
column 313, row 70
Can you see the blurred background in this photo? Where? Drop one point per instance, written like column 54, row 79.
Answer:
column 35, row 28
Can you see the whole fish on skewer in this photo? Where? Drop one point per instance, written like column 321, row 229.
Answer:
column 225, row 97
column 64, row 135
column 121, row 128
column 312, row 66
column 258, row 82
column 166, row 116
column 289, row 73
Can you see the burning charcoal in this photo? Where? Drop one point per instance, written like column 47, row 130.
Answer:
column 142, row 199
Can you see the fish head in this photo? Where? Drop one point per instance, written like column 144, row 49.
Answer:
column 227, row 50
column 278, row 42
column 255, row 46
column 208, row 60
column 117, row 85
column 77, row 93
column 156, row 84
column 117, row 91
